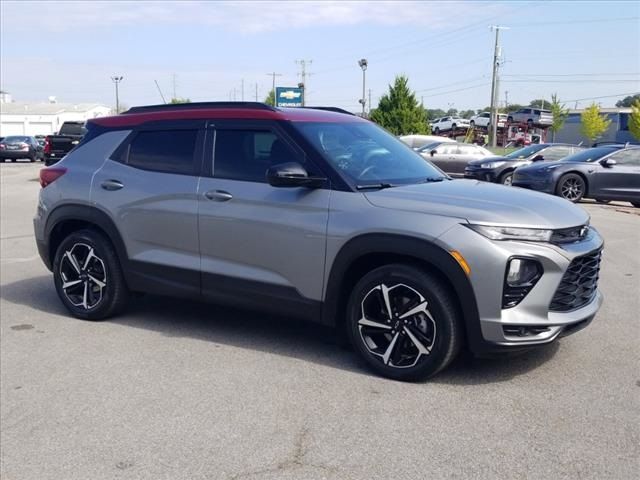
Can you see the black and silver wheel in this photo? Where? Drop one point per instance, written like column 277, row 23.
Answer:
column 571, row 187
column 403, row 322
column 506, row 179
column 88, row 276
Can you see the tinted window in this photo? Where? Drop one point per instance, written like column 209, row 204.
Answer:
column 16, row 139
column 247, row 154
column 72, row 129
column 589, row 155
column 525, row 152
column 627, row 157
column 552, row 154
column 170, row 151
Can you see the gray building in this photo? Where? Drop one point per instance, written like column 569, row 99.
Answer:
column 618, row 129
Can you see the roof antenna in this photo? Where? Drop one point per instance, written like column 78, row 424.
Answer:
column 160, row 91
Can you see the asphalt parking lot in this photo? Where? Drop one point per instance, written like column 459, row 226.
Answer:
column 178, row 390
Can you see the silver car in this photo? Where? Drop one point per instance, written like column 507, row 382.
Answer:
column 317, row 215
column 452, row 157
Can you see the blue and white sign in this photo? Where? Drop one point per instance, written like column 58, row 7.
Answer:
column 289, row 96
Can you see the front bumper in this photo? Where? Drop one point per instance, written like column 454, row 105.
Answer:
column 531, row 322
column 16, row 154
column 483, row 174
column 544, row 184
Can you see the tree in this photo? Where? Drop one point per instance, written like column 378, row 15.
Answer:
column 593, row 124
column 271, row 98
column 432, row 114
column 559, row 113
column 180, row 100
column 539, row 103
column 452, row 112
column 467, row 113
column 634, row 119
column 399, row 111
column 628, row 101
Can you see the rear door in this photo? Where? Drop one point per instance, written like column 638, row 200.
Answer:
column 620, row 181
column 149, row 188
column 446, row 157
column 260, row 243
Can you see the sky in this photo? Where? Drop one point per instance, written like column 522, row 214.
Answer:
column 583, row 51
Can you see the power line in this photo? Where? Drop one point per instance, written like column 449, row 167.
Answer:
column 458, row 90
column 603, row 96
column 573, row 22
column 568, row 74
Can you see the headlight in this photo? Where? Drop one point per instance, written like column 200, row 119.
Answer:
column 513, row 233
column 492, row 164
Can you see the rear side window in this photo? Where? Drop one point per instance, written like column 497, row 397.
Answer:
column 170, row 151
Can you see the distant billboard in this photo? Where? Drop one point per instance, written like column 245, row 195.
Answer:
column 289, row 96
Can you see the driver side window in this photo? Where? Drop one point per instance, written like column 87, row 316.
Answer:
column 629, row 157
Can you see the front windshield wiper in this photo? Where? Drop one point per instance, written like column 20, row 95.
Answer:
column 375, row 186
column 434, row 179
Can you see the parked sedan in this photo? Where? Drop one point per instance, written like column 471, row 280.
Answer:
column 20, row 146
column 609, row 172
column 500, row 169
column 452, row 157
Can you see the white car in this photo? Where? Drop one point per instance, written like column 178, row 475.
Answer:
column 445, row 124
column 484, row 120
column 418, row 141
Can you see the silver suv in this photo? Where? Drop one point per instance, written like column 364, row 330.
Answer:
column 313, row 214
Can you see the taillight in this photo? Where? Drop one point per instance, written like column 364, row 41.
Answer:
column 51, row 174
column 47, row 145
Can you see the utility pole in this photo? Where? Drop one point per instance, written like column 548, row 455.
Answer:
column 363, row 64
column 234, row 94
column 160, row 92
column 117, row 79
column 273, row 76
column 369, row 107
column 173, row 77
column 242, row 83
column 256, row 91
column 494, row 85
column 303, row 76
column 506, row 100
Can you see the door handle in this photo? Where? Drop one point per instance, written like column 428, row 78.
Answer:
column 218, row 195
column 112, row 185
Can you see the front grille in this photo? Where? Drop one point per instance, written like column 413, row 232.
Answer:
column 579, row 283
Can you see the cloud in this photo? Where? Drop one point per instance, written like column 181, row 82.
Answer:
column 249, row 17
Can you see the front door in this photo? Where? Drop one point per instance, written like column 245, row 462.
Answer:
column 619, row 181
column 260, row 245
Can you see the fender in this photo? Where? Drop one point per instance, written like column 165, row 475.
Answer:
column 423, row 251
column 87, row 214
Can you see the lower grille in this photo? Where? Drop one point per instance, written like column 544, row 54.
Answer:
column 579, row 283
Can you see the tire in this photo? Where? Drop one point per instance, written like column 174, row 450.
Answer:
column 436, row 131
column 571, row 187
column 87, row 299
column 529, row 123
column 472, row 124
column 436, row 327
column 453, row 127
column 506, row 178
column 509, row 119
column 32, row 159
column 636, row 204
column 600, row 200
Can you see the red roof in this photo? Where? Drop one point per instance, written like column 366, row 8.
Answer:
column 289, row 114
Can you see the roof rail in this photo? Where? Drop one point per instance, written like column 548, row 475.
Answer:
column 199, row 105
column 332, row 109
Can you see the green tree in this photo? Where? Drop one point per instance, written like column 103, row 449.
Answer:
column 628, row 101
column 593, row 124
column 399, row 111
column 539, row 103
column 180, row 100
column 467, row 113
column 270, row 99
column 432, row 114
column 634, row 119
column 559, row 113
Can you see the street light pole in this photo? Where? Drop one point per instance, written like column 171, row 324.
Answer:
column 363, row 100
column 117, row 80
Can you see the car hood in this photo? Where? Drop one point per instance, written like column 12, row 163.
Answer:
column 482, row 202
column 541, row 166
column 497, row 158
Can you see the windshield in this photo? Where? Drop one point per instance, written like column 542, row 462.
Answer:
column 72, row 129
column 589, row 155
column 525, row 152
column 367, row 154
column 16, row 139
column 430, row 146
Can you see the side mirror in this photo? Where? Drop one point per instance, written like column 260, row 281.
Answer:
column 433, row 152
column 609, row 162
column 292, row 174
column 537, row 158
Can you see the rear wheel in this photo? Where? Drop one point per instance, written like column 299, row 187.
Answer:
column 403, row 322
column 571, row 187
column 636, row 204
column 472, row 124
column 88, row 276
column 506, row 178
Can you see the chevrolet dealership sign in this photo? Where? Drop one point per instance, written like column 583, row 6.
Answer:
column 289, row 96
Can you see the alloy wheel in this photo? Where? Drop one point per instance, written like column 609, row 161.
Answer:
column 396, row 325
column 83, row 275
column 572, row 189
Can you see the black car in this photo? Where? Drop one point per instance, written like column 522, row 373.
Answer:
column 20, row 146
column 610, row 172
column 500, row 169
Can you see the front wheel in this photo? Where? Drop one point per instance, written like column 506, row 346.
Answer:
column 506, row 178
column 88, row 276
column 472, row 124
column 436, row 131
column 403, row 322
column 571, row 187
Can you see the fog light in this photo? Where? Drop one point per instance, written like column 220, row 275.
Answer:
column 521, row 276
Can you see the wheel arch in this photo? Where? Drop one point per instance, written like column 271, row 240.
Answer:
column 580, row 174
column 369, row 251
column 67, row 219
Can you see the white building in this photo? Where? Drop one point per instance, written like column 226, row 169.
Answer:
column 17, row 118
